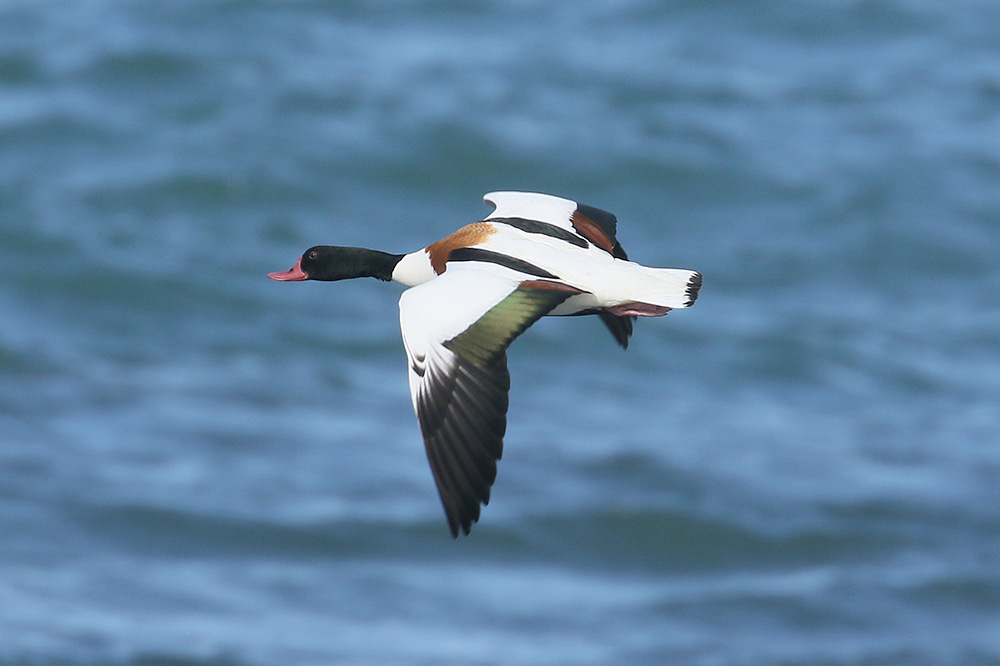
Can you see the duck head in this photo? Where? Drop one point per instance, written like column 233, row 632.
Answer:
column 330, row 263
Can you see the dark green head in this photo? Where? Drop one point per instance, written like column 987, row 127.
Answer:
column 331, row 262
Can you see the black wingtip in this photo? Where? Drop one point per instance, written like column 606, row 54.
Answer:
column 460, row 526
column 462, row 416
column 457, row 531
column 619, row 325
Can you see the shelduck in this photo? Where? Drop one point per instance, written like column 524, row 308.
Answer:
column 472, row 293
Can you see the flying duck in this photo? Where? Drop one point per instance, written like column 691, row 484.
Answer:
column 472, row 293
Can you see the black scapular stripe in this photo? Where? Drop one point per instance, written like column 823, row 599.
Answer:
column 536, row 227
column 479, row 254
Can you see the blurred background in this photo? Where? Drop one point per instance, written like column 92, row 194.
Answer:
column 202, row 466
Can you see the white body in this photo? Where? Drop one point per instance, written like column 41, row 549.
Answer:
column 608, row 280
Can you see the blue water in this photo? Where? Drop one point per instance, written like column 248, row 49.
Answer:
column 201, row 466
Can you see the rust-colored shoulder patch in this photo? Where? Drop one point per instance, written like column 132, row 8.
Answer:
column 469, row 235
column 591, row 231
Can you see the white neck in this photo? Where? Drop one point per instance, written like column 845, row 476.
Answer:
column 413, row 269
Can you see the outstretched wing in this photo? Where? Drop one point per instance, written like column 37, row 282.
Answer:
column 456, row 329
column 597, row 226
column 591, row 225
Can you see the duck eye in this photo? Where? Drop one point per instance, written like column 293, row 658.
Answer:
column 312, row 254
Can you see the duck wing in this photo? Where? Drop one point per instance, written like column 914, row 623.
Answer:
column 456, row 329
column 595, row 226
column 573, row 222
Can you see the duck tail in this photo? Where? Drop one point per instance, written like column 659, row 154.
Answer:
column 669, row 288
